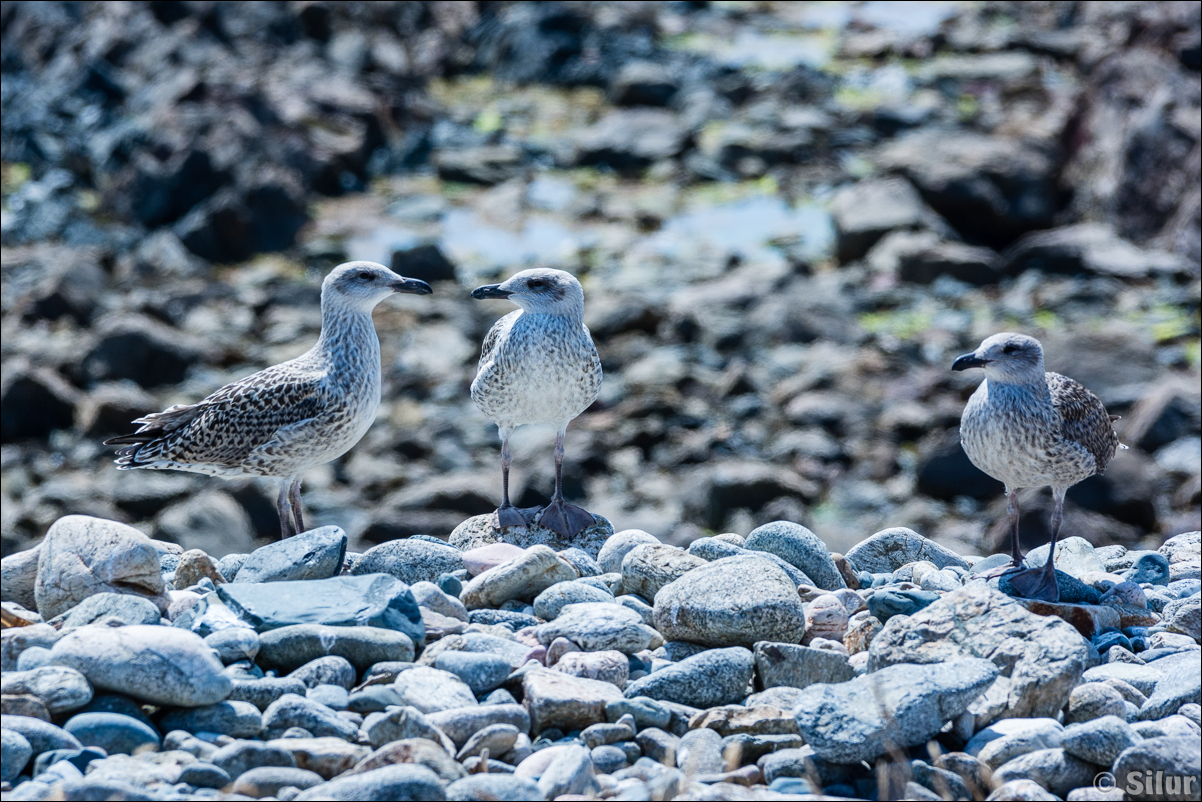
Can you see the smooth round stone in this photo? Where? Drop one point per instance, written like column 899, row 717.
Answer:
column 450, row 585
column 268, row 780
column 800, row 547
column 329, row 670
column 112, row 732
column 431, row 597
column 241, row 756
column 15, row 753
column 373, row 699
column 203, row 775
column 481, row 672
column 33, row 657
column 493, row 788
column 1151, row 568
column 483, row 558
column 235, row 719
column 297, row 711
column 289, row 648
column 122, row 606
column 618, row 545
column 713, row 677
column 42, row 735
column 890, row 549
column 155, row 664
column 60, row 689
column 262, row 691
column 548, row 604
column 334, row 697
column 410, row 560
column 580, row 559
column 234, row 643
column 885, row 603
column 607, row 759
column 315, row 554
column 402, row 781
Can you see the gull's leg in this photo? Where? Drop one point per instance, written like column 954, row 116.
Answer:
column 564, row 519
column 284, row 508
column 507, row 514
column 1016, row 554
column 295, row 500
column 1040, row 583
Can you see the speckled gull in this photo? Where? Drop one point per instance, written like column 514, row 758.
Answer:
column 291, row 417
column 1028, row 428
column 538, row 365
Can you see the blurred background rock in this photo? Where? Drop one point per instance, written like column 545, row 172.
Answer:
column 788, row 219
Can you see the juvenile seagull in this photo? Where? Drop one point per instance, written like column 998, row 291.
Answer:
column 538, row 365
column 1028, row 428
column 284, row 420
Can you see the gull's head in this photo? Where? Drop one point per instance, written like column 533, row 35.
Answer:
column 540, row 290
column 1006, row 357
column 359, row 286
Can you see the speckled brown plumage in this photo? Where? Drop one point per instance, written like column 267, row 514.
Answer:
column 291, row 417
column 1030, row 428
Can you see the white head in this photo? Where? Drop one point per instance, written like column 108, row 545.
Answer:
column 540, row 290
column 1008, row 358
column 359, row 286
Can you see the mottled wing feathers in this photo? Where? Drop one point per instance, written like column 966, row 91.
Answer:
column 495, row 335
column 225, row 427
column 1083, row 419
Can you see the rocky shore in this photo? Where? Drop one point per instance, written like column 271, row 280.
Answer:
column 507, row 665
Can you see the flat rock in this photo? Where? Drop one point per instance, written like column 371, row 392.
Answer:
column 268, row 780
column 112, row 732
column 327, row 757
column 402, row 781
column 1088, row 619
column 890, row 549
column 898, row 706
column 464, row 722
column 712, row 548
column 410, row 560
column 81, row 556
column 648, row 567
column 128, row 609
column 482, row 558
column 155, row 664
column 398, row 723
column 1098, row 741
column 481, row 673
column 42, row 736
column 416, row 751
column 1009, row 738
column 1052, row 769
column 799, row 547
column 291, row 710
column 734, row 601
column 1044, row 657
column 289, row 648
column 795, row 666
column 478, row 531
column 431, row 690
column 555, row 699
column 713, row 677
column 548, row 603
column 537, row 569
column 60, row 689
column 608, row 666
column 599, row 626
column 233, row 718
column 316, row 554
column 265, row 690
column 1155, row 762
column 1185, row 547
column 240, row 756
column 371, row 600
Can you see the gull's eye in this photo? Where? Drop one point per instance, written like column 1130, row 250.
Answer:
column 1010, row 349
column 364, row 276
column 536, row 284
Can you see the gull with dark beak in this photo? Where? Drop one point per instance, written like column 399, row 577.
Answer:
column 1028, row 428
column 538, row 365
column 291, row 417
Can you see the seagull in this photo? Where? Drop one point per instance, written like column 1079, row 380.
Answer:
column 291, row 417
column 538, row 365
column 1028, row 428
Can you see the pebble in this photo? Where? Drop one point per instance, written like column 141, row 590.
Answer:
column 1098, row 741
column 713, row 677
column 1093, row 700
column 1160, row 759
column 263, row 691
column 480, row 672
column 241, row 756
column 524, row 577
column 565, row 702
column 410, row 560
column 328, row 670
column 268, row 780
column 291, row 710
column 432, row 690
column 398, row 723
column 327, row 757
column 122, row 606
column 798, row 666
column 59, row 689
column 734, row 601
column 204, row 775
column 895, row 706
column 801, row 548
column 825, row 617
column 232, row 718
column 549, row 603
column 402, row 781
column 159, row 665
column 81, row 556
column 462, row 723
column 15, row 753
column 608, row 666
column 1051, row 769
column 113, row 732
column 615, row 549
column 288, row 648
column 890, row 549
column 195, row 566
column 649, row 566
column 315, row 554
column 493, row 788
column 599, row 626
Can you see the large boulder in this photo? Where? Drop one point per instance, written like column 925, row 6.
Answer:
column 1044, row 657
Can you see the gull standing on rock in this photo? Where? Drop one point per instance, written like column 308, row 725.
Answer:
column 538, row 365
column 1028, row 428
column 284, row 420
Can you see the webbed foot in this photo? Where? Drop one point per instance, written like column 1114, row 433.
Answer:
column 566, row 520
column 1037, row 583
column 512, row 516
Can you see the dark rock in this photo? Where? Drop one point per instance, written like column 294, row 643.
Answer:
column 487, row 164
column 112, row 732
column 424, row 262
column 297, row 711
column 288, row 648
column 885, row 603
column 203, row 774
column 328, row 670
column 944, row 472
column 643, row 83
column 713, row 677
column 242, row 756
column 315, row 554
column 374, row 600
column 630, row 140
column 728, row 486
column 402, row 781
column 142, row 350
column 921, row 257
column 866, row 211
column 33, row 403
column 110, row 408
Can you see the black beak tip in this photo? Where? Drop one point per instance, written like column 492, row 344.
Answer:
column 968, row 361
column 490, row 291
column 412, row 286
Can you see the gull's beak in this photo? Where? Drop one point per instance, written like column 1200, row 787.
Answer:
column 411, row 286
column 969, row 361
column 490, row 291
